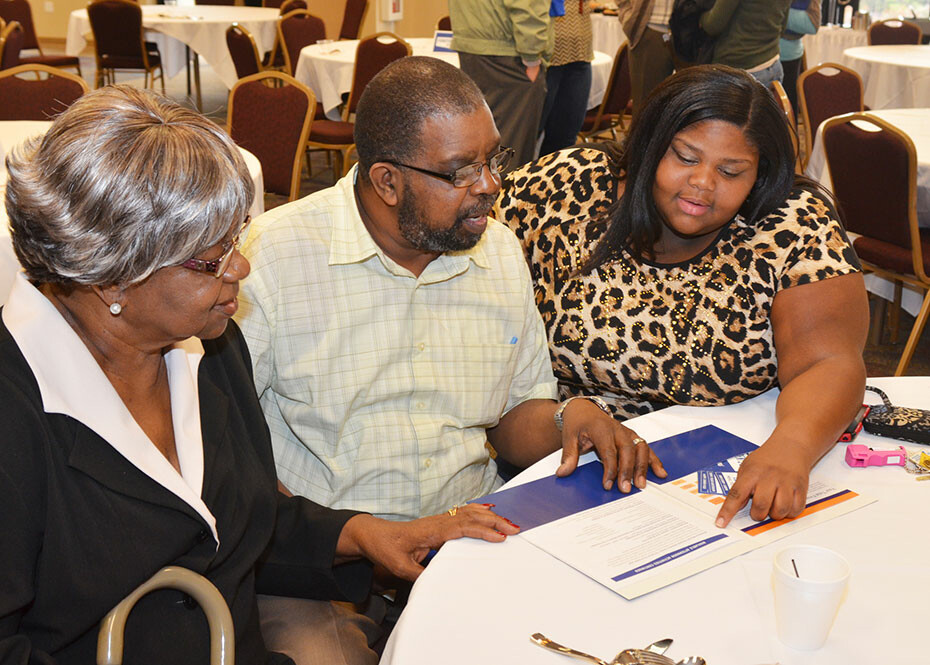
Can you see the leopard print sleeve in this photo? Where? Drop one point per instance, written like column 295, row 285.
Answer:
column 810, row 242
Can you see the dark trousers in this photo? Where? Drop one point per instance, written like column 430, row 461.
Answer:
column 650, row 64
column 790, row 82
column 514, row 100
column 567, row 90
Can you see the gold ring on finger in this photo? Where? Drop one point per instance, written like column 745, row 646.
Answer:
column 453, row 510
column 638, row 440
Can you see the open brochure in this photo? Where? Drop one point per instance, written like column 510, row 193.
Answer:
column 642, row 541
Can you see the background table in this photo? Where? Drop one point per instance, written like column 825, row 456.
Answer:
column 894, row 76
column 13, row 132
column 916, row 124
column 607, row 33
column 327, row 70
column 828, row 44
column 202, row 28
column 479, row 602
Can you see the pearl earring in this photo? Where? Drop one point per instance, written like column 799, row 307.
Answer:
column 115, row 309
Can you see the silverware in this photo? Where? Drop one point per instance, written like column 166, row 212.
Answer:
column 641, row 657
column 692, row 660
column 546, row 643
column 660, row 646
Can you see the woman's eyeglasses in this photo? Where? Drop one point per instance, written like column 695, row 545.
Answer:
column 217, row 267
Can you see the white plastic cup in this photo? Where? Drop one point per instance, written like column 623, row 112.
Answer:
column 806, row 602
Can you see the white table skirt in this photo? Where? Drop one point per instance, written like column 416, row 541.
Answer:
column 203, row 28
column 916, row 124
column 894, row 76
column 828, row 44
column 13, row 132
column 606, row 33
column 479, row 602
column 327, row 70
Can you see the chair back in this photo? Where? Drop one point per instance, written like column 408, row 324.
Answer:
column 291, row 5
column 778, row 91
column 21, row 12
column 297, row 29
column 117, row 28
column 274, row 4
column 277, row 139
column 11, row 43
column 445, row 23
column 211, row 601
column 352, row 18
column 373, row 54
column 873, row 168
column 243, row 50
column 824, row 91
column 32, row 98
column 616, row 97
column 894, row 31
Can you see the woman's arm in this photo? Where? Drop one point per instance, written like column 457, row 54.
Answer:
column 820, row 331
column 716, row 19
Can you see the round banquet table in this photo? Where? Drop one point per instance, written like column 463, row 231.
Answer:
column 916, row 124
column 829, row 42
column 606, row 33
column 895, row 76
column 327, row 70
column 201, row 27
column 479, row 602
column 13, row 132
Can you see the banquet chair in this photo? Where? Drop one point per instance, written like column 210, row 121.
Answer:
column 20, row 11
column 609, row 115
column 824, row 91
column 894, row 31
column 119, row 44
column 873, row 168
column 373, row 54
column 33, row 98
column 244, row 51
column 445, row 23
column 297, row 29
column 352, row 18
column 291, row 5
column 277, row 139
column 11, row 42
column 110, row 637
column 273, row 4
column 778, row 91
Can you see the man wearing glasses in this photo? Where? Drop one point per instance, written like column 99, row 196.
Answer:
column 393, row 328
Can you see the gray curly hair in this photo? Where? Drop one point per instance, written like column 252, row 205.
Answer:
column 124, row 183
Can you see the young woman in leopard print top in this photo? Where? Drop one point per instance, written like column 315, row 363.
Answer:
column 693, row 267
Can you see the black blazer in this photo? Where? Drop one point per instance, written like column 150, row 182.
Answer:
column 81, row 527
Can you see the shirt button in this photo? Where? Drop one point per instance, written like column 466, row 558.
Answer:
column 203, row 535
column 421, row 346
column 428, row 463
column 421, row 405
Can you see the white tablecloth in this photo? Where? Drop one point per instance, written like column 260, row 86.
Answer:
column 607, row 33
column 916, row 124
column 830, row 42
column 203, row 28
column 479, row 602
column 13, row 132
column 327, row 70
column 894, row 76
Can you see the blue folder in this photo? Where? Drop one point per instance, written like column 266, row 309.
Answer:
column 548, row 499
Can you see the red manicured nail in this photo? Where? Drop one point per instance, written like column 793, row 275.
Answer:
column 510, row 523
column 488, row 505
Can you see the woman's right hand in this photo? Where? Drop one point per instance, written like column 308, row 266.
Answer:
column 399, row 547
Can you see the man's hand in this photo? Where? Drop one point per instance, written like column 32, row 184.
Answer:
column 625, row 456
column 776, row 482
column 532, row 71
column 399, row 547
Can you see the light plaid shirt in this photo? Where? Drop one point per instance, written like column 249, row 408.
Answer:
column 661, row 13
column 378, row 386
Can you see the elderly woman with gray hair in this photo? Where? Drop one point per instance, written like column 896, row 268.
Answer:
column 133, row 438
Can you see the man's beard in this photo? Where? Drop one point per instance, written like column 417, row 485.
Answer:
column 425, row 238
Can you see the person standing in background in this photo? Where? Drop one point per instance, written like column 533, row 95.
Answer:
column 645, row 23
column 568, row 78
column 803, row 19
column 503, row 46
column 747, row 33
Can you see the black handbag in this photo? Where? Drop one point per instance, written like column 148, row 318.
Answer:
column 897, row 422
column 690, row 44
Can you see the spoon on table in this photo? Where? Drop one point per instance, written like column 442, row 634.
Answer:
column 692, row 660
column 546, row 643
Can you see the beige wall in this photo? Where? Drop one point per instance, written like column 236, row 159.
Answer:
column 420, row 17
column 53, row 24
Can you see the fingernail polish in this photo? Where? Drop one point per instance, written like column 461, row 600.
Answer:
column 488, row 505
column 511, row 523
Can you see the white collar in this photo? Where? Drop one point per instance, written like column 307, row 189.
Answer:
column 73, row 384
